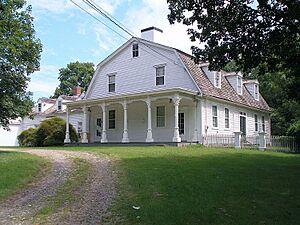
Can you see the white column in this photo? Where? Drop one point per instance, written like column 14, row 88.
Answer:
column 195, row 135
column 237, row 139
column 84, row 126
column 103, row 136
column 125, row 138
column 149, row 130
column 176, row 101
column 67, row 138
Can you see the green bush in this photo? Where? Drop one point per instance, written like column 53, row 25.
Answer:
column 294, row 130
column 51, row 132
column 28, row 137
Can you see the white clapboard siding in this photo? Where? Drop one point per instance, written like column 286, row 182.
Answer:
column 134, row 75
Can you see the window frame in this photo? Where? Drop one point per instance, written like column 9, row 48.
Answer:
column 111, row 121
column 263, row 124
column 59, row 105
column 239, row 86
column 39, row 107
column 217, row 79
column 160, row 76
column 160, row 116
column 111, row 84
column 256, row 122
column 135, row 51
column 215, row 117
column 227, row 118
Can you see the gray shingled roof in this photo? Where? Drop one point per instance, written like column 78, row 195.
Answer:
column 226, row 92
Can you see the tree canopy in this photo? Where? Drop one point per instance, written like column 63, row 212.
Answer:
column 20, row 53
column 76, row 74
column 261, row 37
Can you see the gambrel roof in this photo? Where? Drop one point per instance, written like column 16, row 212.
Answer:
column 226, row 92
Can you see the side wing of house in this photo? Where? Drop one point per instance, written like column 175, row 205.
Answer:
column 138, row 68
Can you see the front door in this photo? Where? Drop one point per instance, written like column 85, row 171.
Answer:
column 181, row 126
column 243, row 124
column 98, row 130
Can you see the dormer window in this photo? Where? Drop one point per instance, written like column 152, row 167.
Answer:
column 256, row 92
column 40, row 107
column 135, row 50
column 239, row 85
column 59, row 105
column 217, row 79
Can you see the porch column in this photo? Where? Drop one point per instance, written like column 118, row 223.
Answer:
column 125, row 138
column 67, row 138
column 84, row 126
column 103, row 136
column 176, row 101
column 149, row 130
column 195, row 135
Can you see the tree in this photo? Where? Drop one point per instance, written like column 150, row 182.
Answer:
column 20, row 53
column 76, row 74
column 263, row 39
column 236, row 30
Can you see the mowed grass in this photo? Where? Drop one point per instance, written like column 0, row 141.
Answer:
column 17, row 170
column 197, row 185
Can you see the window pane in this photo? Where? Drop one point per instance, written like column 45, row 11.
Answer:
column 160, row 116
column 160, row 81
column 112, row 114
column 135, row 50
column 160, row 71
column 112, row 79
column 111, row 124
column 111, row 87
column 214, row 111
column 215, row 122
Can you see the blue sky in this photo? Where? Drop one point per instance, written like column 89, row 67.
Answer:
column 68, row 34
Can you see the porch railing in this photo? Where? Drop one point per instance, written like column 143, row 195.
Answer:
column 219, row 140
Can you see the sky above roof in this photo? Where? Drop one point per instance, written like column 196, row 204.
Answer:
column 68, row 34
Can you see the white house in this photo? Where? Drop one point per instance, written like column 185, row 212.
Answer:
column 44, row 109
column 148, row 92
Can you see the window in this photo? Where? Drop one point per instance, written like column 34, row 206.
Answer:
column 217, row 79
column 256, row 122
column 239, row 85
column 135, row 50
column 256, row 91
column 111, row 83
column 226, row 118
column 111, row 119
column 160, row 116
column 181, row 123
column 215, row 115
column 263, row 124
column 59, row 105
column 160, row 75
column 99, row 122
column 40, row 107
column 79, row 127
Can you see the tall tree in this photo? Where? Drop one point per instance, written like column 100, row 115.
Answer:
column 261, row 35
column 20, row 53
column 76, row 74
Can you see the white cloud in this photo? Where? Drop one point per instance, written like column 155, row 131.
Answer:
column 53, row 6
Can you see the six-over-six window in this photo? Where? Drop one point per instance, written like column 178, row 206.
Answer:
column 160, row 75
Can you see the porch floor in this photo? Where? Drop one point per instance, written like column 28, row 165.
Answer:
column 110, row 144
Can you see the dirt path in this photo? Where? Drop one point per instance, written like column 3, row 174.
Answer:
column 96, row 195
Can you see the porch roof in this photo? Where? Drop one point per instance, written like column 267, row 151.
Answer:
column 141, row 95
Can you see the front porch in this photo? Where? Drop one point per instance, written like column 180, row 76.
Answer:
column 156, row 118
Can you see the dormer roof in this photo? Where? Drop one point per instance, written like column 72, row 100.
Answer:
column 227, row 92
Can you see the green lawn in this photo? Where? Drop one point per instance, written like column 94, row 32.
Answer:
column 197, row 185
column 17, row 170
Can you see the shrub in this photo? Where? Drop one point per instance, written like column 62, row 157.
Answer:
column 28, row 137
column 294, row 130
column 52, row 132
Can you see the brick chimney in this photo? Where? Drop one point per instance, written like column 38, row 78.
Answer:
column 77, row 91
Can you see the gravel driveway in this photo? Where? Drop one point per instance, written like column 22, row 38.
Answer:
column 96, row 196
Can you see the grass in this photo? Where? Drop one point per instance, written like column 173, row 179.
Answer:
column 197, row 185
column 66, row 193
column 17, row 170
